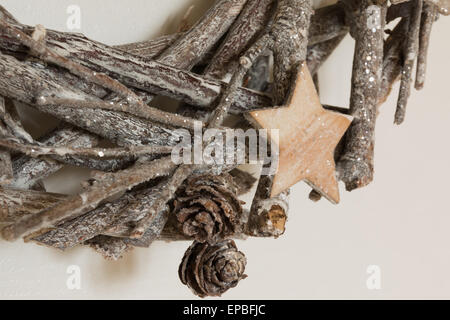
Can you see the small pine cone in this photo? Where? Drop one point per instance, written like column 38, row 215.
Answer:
column 211, row 269
column 207, row 208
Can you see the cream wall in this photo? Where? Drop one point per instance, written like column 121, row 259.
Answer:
column 400, row 222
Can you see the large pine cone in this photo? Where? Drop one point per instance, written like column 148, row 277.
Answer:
column 211, row 269
column 207, row 208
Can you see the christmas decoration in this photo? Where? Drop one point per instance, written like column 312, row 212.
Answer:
column 246, row 64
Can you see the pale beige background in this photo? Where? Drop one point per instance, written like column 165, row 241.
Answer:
column 400, row 222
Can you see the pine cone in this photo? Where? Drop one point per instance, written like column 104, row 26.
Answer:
column 207, row 208
column 211, row 269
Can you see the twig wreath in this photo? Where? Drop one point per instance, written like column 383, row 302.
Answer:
column 254, row 60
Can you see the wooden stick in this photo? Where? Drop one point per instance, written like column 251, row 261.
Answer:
column 400, row 10
column 429, row 15
column 393, row 59
column 443, row 6
column 326, row 23
column 410, row 54
column 134, row 103
column 110, row 248
column 27, row 80
column 39, row 49
column 245, row 63
column 6, row 170
column 188, row 49
column 191, row 47
column 107, row 165
column 249, row 24
column 148, row 113
column 16, row 203
column 151, row 76
column 118, row 218
column 111, row 185
column 75, row 231
column 290, row 31
column 29, row 171
column 145, row 74
column 36, row 151
column 268, row 215
column 392, row 66
column 355, row 166
column 150, row 48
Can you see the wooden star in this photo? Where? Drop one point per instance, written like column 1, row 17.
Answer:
column 308, row 135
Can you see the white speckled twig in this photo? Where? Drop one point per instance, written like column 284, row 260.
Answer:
column 10, row 117
column 249, row 24
column 145, row 112
column 34, row 150
column 355, row 166
column 28, row 79
column 111, row 185
column 16, row 203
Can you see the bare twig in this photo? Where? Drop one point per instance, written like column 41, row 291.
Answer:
column 268, row 215
column 109, row 247
column 111, row 185
column 327, row 23
column 392, row 59
column 134, row 103
column 290, row 32
column 149, row 48
column 16, row 203
column 29, row 171
column 148, row 113
column 35, row 151
column 40, row 49
column 190, row 48
column 410, row 54
column 6, row 171
column 245, row 62
column 10, row 117
column 72, row 232
column 28, row 79
column 249, row 24
column 355, row 166
column 429, row 15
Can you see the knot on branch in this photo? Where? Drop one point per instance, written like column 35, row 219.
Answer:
column 207, row 207
column 211, row 269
